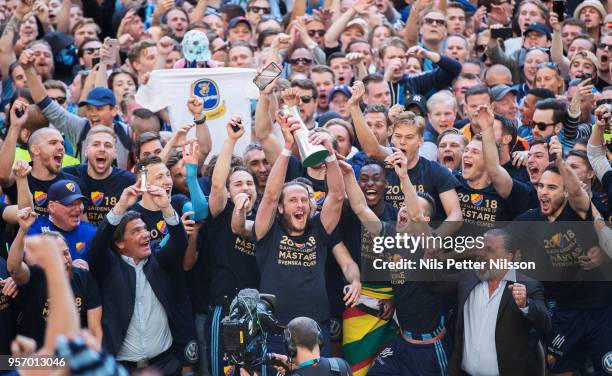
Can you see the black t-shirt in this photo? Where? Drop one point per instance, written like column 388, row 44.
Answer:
column 39, row 189
column 155, row 219
column 7, row 317
column 557, row 246
column 517, row 173
column 293, row 269
column 102, row 194
column 35, row 305
column 232, row 258
column 427, row 176
column 606, row 181
column 481, row 208
column 3, row 235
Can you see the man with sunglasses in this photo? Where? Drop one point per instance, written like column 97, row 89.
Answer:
column 432, row 30
column 88, row 51
column 256, row 9
column 552, row 118
column 301, row 60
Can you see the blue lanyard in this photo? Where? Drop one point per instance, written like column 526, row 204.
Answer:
column 309, row 363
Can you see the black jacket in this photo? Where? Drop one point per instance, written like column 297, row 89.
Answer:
column 516, row 355
column 117, row 281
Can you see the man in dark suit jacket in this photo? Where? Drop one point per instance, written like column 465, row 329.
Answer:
column 496, row 311
column 140, row 318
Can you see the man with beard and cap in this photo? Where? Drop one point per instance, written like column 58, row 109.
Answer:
column 33, row 287
column 292, row 246
column 46, row 150
column 498, row 309
column 102, row 182
column 560, row 246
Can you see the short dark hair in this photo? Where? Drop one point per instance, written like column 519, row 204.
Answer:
column 147, row 161
column 476, row 90
column 574, row 22
column 335, row 55
column 542, row 93
column 81, row 49
column 430, row 202
column 582, row 155
column 373, row 77
column 264, row 34
column 537, row 141
column 558, row 107
column 323, row 69
column 145, row 137
column 305, row 83
column 304, row 332
column 119, row 233
column 174, row 158
column 378, row 109
column 508, row 129
column 454, row 132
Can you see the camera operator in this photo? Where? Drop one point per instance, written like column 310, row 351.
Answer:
column 303, row 340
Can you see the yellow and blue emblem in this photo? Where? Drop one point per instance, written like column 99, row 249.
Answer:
column 208, row 91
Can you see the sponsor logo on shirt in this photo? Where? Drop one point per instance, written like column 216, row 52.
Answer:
column 161, row 227
column 319, row 197
column 476, row 199
column 40, row 197
column 292, row 253
column 209, row 92
column 606, row 362
column 97, row 197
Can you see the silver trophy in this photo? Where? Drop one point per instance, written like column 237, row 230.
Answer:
column 310, row 154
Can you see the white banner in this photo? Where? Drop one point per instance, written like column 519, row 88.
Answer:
column 224, row 92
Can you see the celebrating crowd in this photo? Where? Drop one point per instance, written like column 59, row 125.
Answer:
column 125, row 238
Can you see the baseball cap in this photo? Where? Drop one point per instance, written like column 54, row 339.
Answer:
column 500, row 91
column 360, row 23
column 339, row 89
column 539, row 28
column 236, row 20
column 419, row 101
column 65, row 192
column 100, row 96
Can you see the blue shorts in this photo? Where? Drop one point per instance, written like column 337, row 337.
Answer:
column 407, row 359
column 578, row 334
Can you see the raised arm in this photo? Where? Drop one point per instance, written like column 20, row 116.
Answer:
column 367, row 140
column 595, row 148
column 21, row 170
column 501, row 179
column 17, row 268
column 240, row 226
column 8, row 148
column 218, row 191
column 7, row 48
column 191, row 156
column 63, row 17
column 411, row 201
column 578, row 198
column 269, row 202
column 198, row 11
column 411, row 30
column 100, row 252
column 63, row 318
column 332, row 35
column 358, row 202
column 202, row 131
column 263, row 124
column 332, row 206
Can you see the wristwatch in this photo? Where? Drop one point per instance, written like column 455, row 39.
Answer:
column 200, row 121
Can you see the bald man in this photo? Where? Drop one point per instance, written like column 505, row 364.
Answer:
column 498, row 75
column 46, row 149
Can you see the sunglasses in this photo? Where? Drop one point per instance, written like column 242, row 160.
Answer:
column 300, row 61
column 306, row 98
column 432, row 21
column 601, row 102
column 60, row 100
column 542, row 126
column 320, row 33
column 604, row 46
column 256, row 10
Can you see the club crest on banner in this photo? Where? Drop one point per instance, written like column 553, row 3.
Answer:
column 208, row 90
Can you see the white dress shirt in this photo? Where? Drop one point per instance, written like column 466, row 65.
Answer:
column 479, row 320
